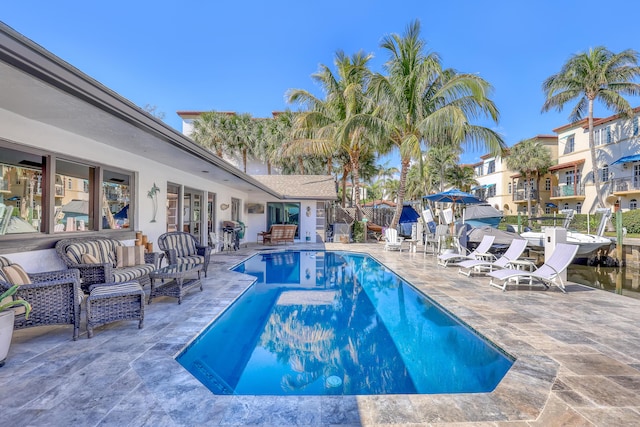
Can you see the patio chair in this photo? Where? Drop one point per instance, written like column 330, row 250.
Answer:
column 482, row 251
column 549, row 273
column 393, row 241
column 55, row 296
column 183, row 248
column 514, row 251
column 434, row 243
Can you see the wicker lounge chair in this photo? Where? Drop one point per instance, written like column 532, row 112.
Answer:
column 548, row 274
column 514, row 251
column 184, row 248
column 481, row 251
column 55, row 298
column 72, row 252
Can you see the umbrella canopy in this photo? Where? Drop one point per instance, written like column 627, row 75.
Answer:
column 453, row 196
column 408, row 215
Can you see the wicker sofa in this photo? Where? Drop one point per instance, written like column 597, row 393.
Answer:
column 280, row 233
column 103, row 249
column 55, row 298
column 183, row 248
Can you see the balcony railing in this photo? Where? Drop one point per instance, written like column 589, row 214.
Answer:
column 523, row 195
column 567, row 190
column 625, row 184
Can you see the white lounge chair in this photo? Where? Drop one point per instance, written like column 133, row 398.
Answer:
column 393, row 242
column 480, row 252
column 513, row 252
column 549, row 273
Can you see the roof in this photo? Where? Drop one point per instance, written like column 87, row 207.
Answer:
column 566, row 165
column 596, row 121
column 40, row 86
column 316, row 187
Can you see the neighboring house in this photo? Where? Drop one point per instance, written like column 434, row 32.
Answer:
column 60, row 127
column 617, row 142
column 492, row 178
column 516, row 187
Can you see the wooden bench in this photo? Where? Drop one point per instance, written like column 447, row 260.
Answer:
column 280, row 233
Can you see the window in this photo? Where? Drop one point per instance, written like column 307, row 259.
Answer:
column 578, row 207
column 636, row 127
column 608, row 135
column 116, row 197
column 509, row 188
column 491, row 166
column 547, row 210
column 25, row 192
column 20, row 194
column 633, row 204
column 604, row 173
column 569, row 177
column 235, row 209
column 566, row 206
column 570, row 146
column 491, row 191
column 547, row 184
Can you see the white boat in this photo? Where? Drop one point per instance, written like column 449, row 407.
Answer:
column 588, row 244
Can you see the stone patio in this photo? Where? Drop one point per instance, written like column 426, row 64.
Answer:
column 578, row 362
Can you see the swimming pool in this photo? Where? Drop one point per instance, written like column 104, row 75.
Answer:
column 338, row 323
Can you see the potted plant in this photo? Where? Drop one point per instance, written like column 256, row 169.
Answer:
column 6, row 319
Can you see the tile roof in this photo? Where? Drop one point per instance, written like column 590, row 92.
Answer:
column 317, row 187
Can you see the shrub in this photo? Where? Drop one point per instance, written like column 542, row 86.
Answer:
column 358, row 232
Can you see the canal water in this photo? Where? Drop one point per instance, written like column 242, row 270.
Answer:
column 621, row 280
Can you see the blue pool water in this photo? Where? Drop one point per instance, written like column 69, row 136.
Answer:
column 338, row 323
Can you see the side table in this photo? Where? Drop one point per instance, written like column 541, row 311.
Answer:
column 175, row 280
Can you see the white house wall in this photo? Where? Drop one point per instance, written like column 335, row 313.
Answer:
column 21, row 130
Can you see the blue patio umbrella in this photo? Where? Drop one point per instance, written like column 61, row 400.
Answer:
column 453, row 196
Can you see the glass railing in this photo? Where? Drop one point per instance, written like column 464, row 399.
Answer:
column 567, row 191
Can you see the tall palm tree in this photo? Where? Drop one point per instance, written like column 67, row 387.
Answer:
column 597, row 74
column 532, row 160
column 421, row 102
column 321, row 128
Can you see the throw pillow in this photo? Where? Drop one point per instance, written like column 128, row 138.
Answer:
column 16, row 275
column 90, row 259
column 128, row 256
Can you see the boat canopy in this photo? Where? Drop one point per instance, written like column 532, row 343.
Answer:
column 481, row 211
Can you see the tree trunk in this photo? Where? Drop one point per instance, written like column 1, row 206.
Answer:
column 344, row 188
column 244, row 159
column 401, row 189
column 594, row 164
column 528, row 193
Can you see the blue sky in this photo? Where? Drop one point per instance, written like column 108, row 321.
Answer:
column 244, row 56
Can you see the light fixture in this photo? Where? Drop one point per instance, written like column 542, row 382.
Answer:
column 224, row 206
column 308, row 210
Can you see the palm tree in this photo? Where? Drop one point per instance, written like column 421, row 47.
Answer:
column 387, row 172
column 462, row 177
column 208, row 131
column 420, row 102
column 532, row 160
column 322, row 128
column 441, row 157
column 597, row 74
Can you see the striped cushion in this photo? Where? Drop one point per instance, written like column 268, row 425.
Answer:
column 128, row 256
column 192, row 259
column 126, row 274
column 184, row 244
column 90, row 259
column 4, row 262
column 130, row 287
column 102, row 249
column 16, row 275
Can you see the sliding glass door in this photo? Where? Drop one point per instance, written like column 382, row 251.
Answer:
column 284, row 213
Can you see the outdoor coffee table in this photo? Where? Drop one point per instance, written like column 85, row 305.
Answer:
column 175, row 280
